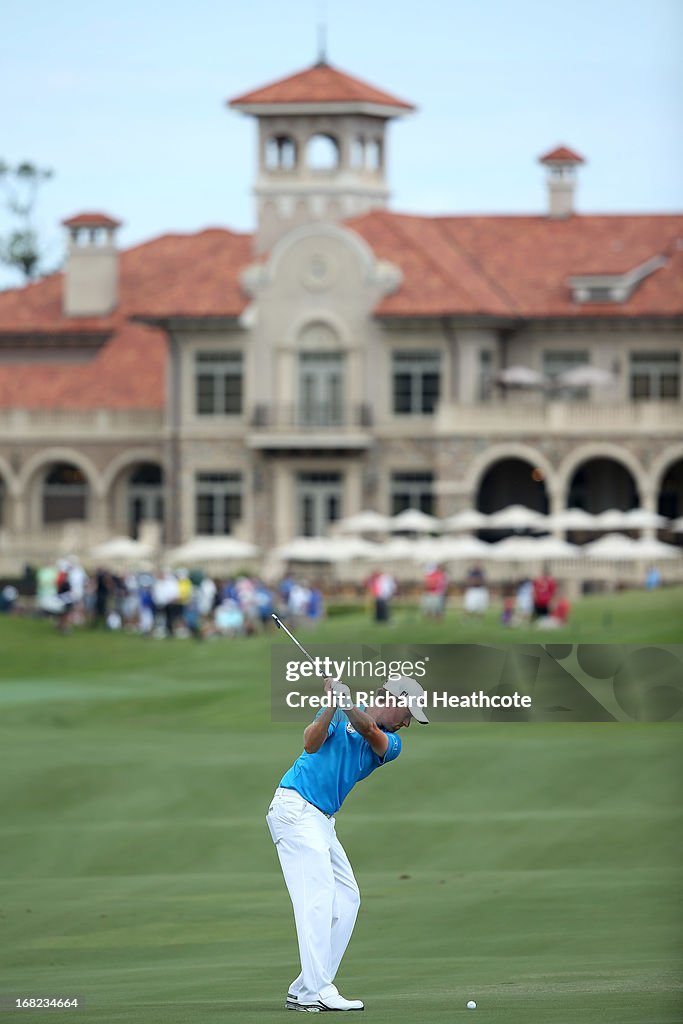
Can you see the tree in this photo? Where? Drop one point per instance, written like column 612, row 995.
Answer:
column 21, row 247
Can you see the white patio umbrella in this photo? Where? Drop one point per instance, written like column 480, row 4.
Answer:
column 585, row 376
column 123, row 549
column 517, row 517
column 572, row 519
column 526, row 549
column 520, row 377
column 463, row 548
column 653, row 550
column 211, row 549
column 612, row 519
column 614, row 546
column 310, row 549
column 398, row 549
column 463, row 522
column 412, row 520
column 642, row 519
column 364, row 522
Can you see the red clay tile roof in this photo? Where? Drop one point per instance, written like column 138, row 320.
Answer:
column 509, row 267
column 520, row 266
column 319, row 84
column 561, row 155
column 91, row 220
column 195, row 275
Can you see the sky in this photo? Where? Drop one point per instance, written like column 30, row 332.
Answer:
column 125, row 101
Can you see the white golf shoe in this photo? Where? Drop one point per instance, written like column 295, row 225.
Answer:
column 329, row 1000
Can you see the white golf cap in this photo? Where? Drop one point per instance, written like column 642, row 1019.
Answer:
column 410, row 690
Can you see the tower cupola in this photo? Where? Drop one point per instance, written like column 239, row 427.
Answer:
column 321, row 148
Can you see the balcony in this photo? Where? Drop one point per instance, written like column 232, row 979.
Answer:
column 559, row 418
column 319, row 426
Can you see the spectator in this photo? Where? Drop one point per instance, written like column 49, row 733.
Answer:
column 653, row 578
column 435, row 589
column 476, row 597
column 544, row 586
column 524, row 601
column 382, row 588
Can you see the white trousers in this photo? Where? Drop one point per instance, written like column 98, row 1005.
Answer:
column 321, row 885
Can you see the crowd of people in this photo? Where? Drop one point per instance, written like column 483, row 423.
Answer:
column 182, row 603
column 171, row 603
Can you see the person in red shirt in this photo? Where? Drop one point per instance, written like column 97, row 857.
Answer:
column 545, row 586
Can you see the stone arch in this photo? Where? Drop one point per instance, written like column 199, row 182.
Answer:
column 9, row 477
column 127, row 460
column 481, row 464
column 48, row 456
column 660, row 465
column 600, row 450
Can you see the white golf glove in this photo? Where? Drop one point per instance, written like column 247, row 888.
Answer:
column 342, row 694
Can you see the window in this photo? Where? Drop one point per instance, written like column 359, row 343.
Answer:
column 218, row 502
column 416, row 382
column 321, row 389
column 557, row 361
column 320, row 502
column 412, row 490
column 655, row 375
column 485, row 374
column 219, row 383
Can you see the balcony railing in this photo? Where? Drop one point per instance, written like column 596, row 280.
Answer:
column 557, row 417
column 53, row 424
column 295, row 417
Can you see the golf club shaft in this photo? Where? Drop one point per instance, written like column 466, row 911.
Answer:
column 280, row 625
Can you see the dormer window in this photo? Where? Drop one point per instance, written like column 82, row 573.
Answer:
column 603, row 288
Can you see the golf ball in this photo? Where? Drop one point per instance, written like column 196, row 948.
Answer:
column 471, row 1005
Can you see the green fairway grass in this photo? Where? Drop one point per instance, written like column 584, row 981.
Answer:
column 533, row 868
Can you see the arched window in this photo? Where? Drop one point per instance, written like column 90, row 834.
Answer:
column 373, row 155
column 358, row 152
column 322, row 153
column 280, row 153
column 65, row 494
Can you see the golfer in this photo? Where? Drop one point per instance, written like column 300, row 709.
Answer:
column 342, row 745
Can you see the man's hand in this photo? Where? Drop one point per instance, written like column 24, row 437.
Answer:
column 340, row 692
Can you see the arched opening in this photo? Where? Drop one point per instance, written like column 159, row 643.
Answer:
column 373, row 155
column 512, row 481
column 670, row 498
column 65, row 494
column 145, row 499
column 322, row 152
column 280, row 153
column 602, row 483
column 358, row 153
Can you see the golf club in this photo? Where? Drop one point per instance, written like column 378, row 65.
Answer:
column 280, row 625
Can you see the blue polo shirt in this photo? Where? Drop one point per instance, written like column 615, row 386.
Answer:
column 327, row 777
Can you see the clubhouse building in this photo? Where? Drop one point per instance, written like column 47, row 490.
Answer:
column 341, row 357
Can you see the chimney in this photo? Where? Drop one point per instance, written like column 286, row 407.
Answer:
column 561, row 164
column 91, row 279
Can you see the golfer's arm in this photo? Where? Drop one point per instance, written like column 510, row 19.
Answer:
column 315, row 734
column 368, row 729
